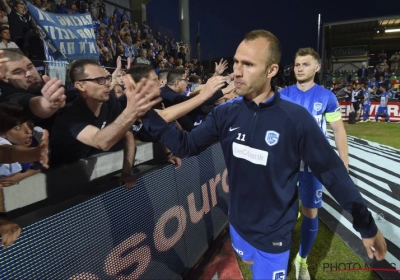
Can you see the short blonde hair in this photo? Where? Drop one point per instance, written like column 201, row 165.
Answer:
column 274, row 51
column 307, row 51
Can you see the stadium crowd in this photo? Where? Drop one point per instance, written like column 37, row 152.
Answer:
column 116, row 35
column 381, row 85
column 96, row 112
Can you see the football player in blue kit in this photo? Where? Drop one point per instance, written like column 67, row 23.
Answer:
column 383, row 108
column 366, row 103
column 324, row 107
column 263, row 137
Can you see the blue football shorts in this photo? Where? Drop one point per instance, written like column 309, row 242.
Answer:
column 309, row 187
column 266, row 265
column 382, row 110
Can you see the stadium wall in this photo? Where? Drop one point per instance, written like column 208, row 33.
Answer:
column 393, row 109
column 157, row 230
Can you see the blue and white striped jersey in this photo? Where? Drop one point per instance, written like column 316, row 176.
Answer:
column 317, row 100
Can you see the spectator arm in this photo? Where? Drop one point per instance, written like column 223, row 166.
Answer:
column 9, row 231
column 2, row 207
column 112, row 49
column 120, row 40
column 115, row 73
column 107, row 137
column 4, row 21
column 8, row 9
column 41, row 107
column 176, row 111
column 17, row 153
column 17, row 177
column 129, row 153
column 122, row 33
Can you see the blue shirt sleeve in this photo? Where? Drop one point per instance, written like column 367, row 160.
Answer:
column 182, row 143
column 332, row 103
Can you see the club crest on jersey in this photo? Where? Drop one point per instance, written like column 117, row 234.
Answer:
column 272, row 137
column 278, row 275
column 317, row 106
column 319, row 193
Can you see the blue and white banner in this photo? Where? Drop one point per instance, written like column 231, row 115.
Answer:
column 68, row 37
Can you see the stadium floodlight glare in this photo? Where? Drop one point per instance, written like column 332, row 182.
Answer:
column 392, row 30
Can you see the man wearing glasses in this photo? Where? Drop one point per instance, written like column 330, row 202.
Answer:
column 95, row 122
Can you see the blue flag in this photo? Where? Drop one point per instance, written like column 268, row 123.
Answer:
column 68, row 37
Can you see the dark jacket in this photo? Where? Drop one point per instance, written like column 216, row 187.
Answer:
column 262, row 146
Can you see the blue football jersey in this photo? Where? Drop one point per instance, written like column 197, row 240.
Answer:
column 367, row 101
column 317, row 100
column 384, row 97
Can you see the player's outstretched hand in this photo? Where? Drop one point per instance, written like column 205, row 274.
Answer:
column 375, row 246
